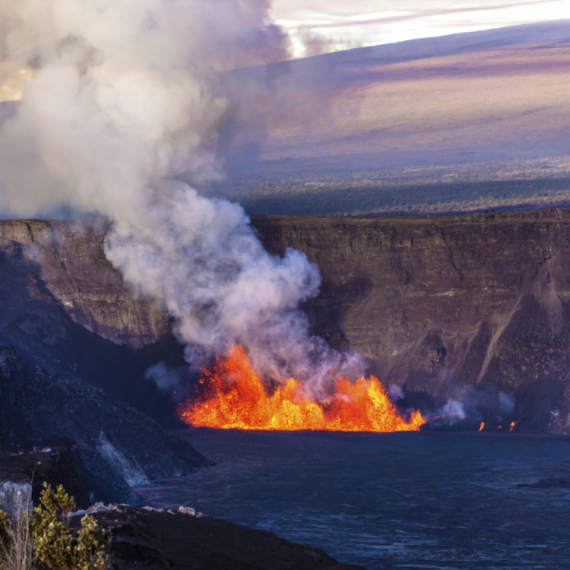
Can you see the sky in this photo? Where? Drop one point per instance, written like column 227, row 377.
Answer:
column 330, row 25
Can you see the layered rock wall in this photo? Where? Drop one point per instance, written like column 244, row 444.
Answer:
column 436, row 303
column 440, row 303
column 72, row 268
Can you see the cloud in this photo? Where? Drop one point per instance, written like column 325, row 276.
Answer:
column 345, row 23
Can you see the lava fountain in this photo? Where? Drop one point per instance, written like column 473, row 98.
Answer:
column 234, row 397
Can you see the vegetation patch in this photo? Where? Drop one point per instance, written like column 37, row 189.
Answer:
column 42, row 539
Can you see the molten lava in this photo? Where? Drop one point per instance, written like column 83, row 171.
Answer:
column 235, row 397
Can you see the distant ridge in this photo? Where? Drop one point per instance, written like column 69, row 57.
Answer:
column 464, row 42
column 481, row 107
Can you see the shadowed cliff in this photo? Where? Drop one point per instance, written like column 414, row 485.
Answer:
column 63, row 383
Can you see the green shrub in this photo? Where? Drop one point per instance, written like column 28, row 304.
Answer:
column 55, row 545
column 16, row 540
column 5, row 539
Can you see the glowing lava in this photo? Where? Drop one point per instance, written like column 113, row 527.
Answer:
column 235, row 397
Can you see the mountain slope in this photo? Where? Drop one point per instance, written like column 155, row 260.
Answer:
column 405, row 126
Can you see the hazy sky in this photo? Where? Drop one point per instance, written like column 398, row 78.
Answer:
column 352, row 23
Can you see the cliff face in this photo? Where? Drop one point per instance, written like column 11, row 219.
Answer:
column 443, row 303
column 74, row 346
column 116, row 446
column 67, row 263
column 439, row 305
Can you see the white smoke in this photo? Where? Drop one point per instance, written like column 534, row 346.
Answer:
column 396, row 392
column 507, row 403
column 122, row 107
column 173, row 381
column 454, row 410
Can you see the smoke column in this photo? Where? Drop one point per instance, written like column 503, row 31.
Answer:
column 122, row 108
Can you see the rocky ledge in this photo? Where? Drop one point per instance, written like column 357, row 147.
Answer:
column 162, row 539
column 110, row 446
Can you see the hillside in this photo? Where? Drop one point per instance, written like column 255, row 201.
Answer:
column 461, row 122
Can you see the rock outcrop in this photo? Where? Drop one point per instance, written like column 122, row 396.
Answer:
column 66, row 262
column 114, row 446
column 166, row 540
column 65, row 308
column 74, row 347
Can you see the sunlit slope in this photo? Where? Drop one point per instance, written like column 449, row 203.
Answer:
column 456, row 123
column 495, row 103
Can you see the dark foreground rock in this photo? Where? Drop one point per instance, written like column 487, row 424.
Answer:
column 54, row 465
column 111, row 446
column 176, row 541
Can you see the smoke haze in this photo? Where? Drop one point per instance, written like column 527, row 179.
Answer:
column 123, row 111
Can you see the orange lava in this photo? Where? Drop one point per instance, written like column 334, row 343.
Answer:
column 235, row 398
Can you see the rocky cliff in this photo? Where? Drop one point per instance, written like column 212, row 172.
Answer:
column 74, row 346
column 67, row 263
column 443, row 306
column 115, row 447
column 64, row 306
column 448, row 305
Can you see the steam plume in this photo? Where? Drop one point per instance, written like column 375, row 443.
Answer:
column 122, row 107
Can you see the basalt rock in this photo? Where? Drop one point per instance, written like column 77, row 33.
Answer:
column 28, row 469
column 74, row 347
column 111, row 447
column 176, row 541
column 66, row 263
column 65, row 308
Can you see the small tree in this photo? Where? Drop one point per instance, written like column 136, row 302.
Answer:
column 45, row 540
column 15, row 532
column 56, row 546
column 4, row 534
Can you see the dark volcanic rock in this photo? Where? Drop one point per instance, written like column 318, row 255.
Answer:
column 116, row 447
column 66, row 263
column 165, row 540
column 74, row 347
column 54, row 465
column 64, row 307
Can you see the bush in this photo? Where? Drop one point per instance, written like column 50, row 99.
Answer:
column 47, row 534
column 16, row 538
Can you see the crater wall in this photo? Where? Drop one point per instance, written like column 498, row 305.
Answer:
column 437, row 304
